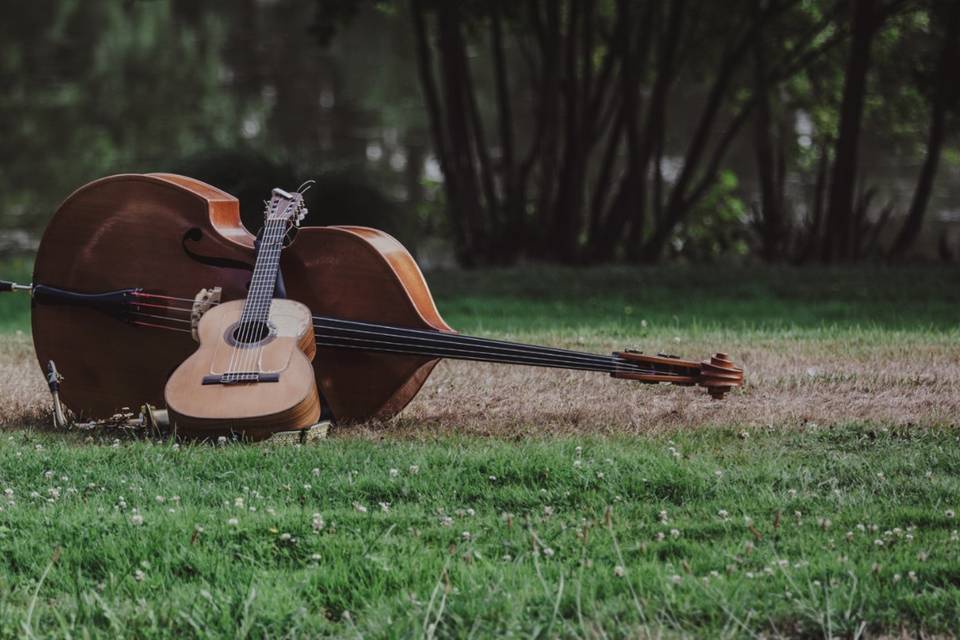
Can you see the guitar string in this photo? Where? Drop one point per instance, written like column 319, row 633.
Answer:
column 257, row 283
column 248, row 322
column 248, row 316
column 264, row 288
column 269, row 287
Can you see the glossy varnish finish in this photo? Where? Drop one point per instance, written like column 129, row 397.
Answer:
column 172, row 235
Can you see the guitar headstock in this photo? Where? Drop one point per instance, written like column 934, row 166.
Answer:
column 285, row 207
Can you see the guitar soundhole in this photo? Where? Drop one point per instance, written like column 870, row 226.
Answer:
column 250, row 332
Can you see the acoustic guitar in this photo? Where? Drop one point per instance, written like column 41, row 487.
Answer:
column 252, row 374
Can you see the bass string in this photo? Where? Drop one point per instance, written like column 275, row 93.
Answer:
column 452, row 345
column 599, row 363
column 446, row 338
column 448, row 341
column 421, row 334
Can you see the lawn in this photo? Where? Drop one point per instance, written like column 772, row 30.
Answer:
column 818, row 501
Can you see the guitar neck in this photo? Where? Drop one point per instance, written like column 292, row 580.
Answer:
column 264, row 280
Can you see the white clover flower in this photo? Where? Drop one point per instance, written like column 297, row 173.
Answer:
column 783, row 564
column 414, row 469
column 600, row 475
column 159, row 499
column 954, row 536
column 34, row 494
column 318, row 523
column 359, row 508
column 471, row 512
column 136, row 519
column 315, row 471
column 791, row 493
column 394, row 473
column 315, row 557
column 675, row 579
column 548, row 552
column 116, row 444
column 465, row 535
column 222, row 440
column 849, row 536
column 922, row 556
column 662, row 517
column 48, row 474
column 8, row 492
column 577, row 464
column 548, row 511
column 718, row 473
column 723, row 513
column 878, row 542
column 619, row 571
column 896, row 577
column 492, row 478
column 446, row 521
column 912, row 575
column 139, row 575
column 285, row 537
column 233, row 522
column 674, row 533
column 238, row 502
column 660, row 537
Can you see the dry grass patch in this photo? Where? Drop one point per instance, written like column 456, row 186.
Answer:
column 888, row 378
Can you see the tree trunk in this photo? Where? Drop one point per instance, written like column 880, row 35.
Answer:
column 768, row 175
column 838, row 242
column 938, row 117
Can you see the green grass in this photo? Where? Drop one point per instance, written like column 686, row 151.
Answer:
column 619, row 301
column 613, row 301
column 70, row 556
column 15, row 307
column 802, row 565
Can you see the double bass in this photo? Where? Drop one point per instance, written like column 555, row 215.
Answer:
column 118, row 270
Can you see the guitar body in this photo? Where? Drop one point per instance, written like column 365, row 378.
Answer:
column 172, row 235
column 253, row 410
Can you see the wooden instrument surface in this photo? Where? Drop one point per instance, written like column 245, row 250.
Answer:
column 172, row 235
column 253, row 410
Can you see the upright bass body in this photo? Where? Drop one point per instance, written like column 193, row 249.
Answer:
column 171, row 235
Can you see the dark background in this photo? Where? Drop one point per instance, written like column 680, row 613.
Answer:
column 569, row 131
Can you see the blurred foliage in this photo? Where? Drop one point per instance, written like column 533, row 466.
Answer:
column 249, row 94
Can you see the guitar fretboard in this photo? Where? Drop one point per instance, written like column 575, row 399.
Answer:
column 264, row 280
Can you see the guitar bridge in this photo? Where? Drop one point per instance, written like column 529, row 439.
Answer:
column 241, row 378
